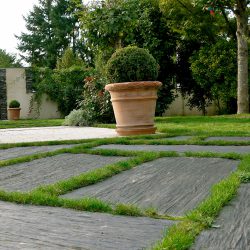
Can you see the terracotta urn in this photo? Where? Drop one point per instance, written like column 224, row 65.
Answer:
column 134, row 106
column 14, row 113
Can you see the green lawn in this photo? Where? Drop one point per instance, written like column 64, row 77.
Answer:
column 30, row 123
column 185, row 125
column 201, row 125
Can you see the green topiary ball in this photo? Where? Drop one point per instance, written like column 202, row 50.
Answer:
column 14, row 104
column 131, row 64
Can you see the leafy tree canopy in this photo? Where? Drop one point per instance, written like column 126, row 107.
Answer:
column 201, row 25
column 52, row 26
column 214, row 69
column 69, row 59
column 8, row 60
column 111, row 24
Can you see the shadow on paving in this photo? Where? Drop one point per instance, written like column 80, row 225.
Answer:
column 172, row 185
column 180, row 148
column 233, row 230
column 29, row 175
column 10, row 153
column 32, row 227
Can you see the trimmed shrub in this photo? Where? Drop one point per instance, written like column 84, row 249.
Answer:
column 14, row 104
column 131, row 64
column 95, row 105
column 96, row 102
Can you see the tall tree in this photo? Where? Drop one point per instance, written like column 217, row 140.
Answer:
column 240, row 8
column 8, row 60
column 110, row 24
column 52, row 27
column 195, row 29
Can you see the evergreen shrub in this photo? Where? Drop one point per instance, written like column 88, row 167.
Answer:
column 131, row 64
column 14, row 104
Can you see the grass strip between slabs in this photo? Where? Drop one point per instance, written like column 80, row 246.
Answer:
column 49, row 143
column 191, row 141
column 81, row 148
column 182, row 235
column 100, row 174
column 48, row 195
column 85, row 204
column 46, row 143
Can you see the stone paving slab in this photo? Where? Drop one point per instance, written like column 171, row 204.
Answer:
column 31, row 227
column 234, row 222
column 10, row 153
column 173, row 185
column 228, row 138
column 28, row 175
column 53, row 134
column 180, row 148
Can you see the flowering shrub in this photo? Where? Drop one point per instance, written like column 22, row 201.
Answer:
column 95, row 105
column 96, row 102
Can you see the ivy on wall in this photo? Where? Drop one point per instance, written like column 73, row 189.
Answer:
column 63, row 86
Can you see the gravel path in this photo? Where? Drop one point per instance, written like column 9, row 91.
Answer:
column 28, row 175
column 173, row 185
column 31, row 227
column 180, row 148
column 10, row 153
column 234, row 226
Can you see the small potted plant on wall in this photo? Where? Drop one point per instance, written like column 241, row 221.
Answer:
column 14, row 110
column 132, row 72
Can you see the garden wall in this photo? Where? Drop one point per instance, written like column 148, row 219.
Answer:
column 179, row 107
column 16, row 83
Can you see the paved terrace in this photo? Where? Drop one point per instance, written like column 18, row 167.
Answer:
column 173, row 185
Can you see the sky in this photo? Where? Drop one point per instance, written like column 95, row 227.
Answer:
column 12, row 22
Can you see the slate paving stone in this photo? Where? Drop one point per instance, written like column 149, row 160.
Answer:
column 173, row 185
column 234, row 222
column 11, row 153
column 33, row 227
column 228, row 138
column 28, row 175
column 180, row 148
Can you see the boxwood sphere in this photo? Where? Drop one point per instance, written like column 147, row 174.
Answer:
column 131, row 64
column 14, row 104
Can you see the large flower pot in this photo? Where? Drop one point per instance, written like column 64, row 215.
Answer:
column 14, row 113
column 134, row 106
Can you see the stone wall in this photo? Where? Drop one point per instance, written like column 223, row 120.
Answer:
column 3, row 95
column 179, row 107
